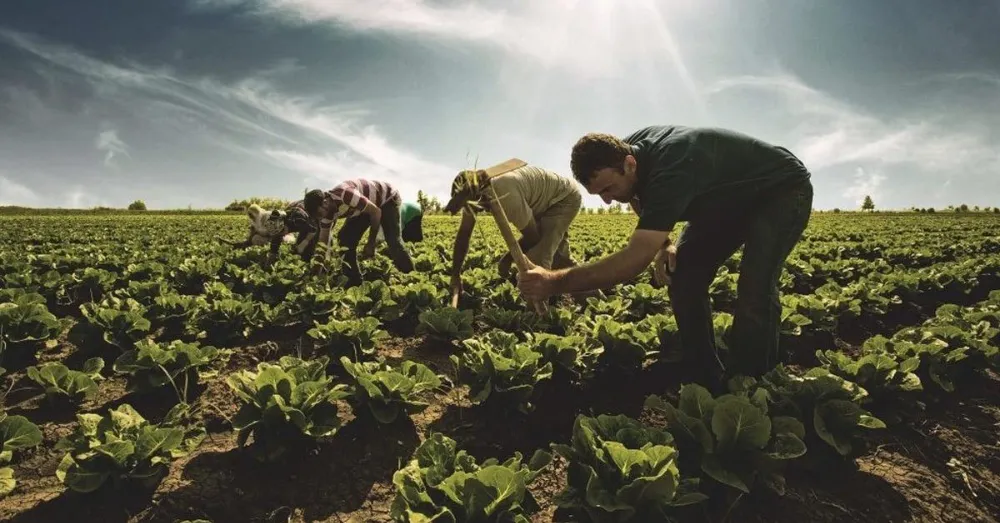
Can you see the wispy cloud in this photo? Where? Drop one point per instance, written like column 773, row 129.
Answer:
column 13, row 193
column 865, row 183
column 590, row 38
column 831, row 132
column 250, row 116
column 108, row 142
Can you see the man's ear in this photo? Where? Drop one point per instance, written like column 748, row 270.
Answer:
column 629, row 166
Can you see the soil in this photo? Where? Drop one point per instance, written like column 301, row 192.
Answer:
column 939, row 460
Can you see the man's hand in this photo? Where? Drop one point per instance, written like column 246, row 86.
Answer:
column 369, row 251
column 538, row 283
column 664, row 265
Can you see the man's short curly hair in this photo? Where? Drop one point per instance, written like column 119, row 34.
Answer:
column 595, row 151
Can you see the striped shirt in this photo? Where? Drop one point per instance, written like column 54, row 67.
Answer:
column 348, row 199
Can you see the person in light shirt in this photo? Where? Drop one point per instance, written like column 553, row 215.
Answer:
column 539, row 203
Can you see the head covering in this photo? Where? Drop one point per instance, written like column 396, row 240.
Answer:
column 466, row 189
column 274, row 224
column 312, row 200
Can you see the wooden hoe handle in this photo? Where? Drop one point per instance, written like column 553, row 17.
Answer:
column 508, row 236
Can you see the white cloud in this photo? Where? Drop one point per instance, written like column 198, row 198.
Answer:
column 13, row 193
column 831, row 133
column 250, row 116
column 590, row 38
column 865, row 183
column 328, row 169
column 108, row 142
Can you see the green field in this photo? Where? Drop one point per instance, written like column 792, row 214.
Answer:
column 154, row 374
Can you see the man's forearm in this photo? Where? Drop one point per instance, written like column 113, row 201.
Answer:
column 324, row 239
column 616, row 268
column 458, row 255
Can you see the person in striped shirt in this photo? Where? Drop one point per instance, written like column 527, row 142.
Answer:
column 365, row 205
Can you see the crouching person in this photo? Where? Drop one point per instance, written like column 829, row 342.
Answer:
column 366, row 205
column 271, row 228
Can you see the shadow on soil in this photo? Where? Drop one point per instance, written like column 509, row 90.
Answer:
column 335, row 476
column 105, row 506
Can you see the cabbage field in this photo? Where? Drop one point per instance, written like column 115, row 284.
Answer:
column 154, row 374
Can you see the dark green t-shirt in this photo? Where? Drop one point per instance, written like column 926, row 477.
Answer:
column 408, row 211
column 700, row 173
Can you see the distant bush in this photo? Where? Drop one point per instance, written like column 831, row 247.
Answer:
column 265, row 202
column 836, row 209
column 137, row 205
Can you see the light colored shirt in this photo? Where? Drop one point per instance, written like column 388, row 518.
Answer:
column 526, row 193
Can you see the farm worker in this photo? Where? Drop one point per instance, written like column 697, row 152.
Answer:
column 411, row 219
column 365, row 205
column 732, row 190
column 272, row 227
column 411, row 215
column 539, row 203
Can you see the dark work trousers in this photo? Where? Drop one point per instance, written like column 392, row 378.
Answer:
column 354, row 228
column 768, row 232
column 414, row 231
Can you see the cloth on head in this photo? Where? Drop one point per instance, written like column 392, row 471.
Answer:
column 264, row 223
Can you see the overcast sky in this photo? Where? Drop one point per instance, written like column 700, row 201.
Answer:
column 199, row 102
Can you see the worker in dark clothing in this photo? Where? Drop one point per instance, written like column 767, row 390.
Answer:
column 733, row 190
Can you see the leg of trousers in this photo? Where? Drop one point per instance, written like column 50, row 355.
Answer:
column 553, row 229
column 774, row 230
column 348, row 238
column 702, row 248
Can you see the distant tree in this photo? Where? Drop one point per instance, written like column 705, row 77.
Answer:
column 868, row 204
column 265, row 202
column 996, row 210
column 962, row 208
column 931, row 210
column 137, row 205
column 975, row 208
column 836, row 210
